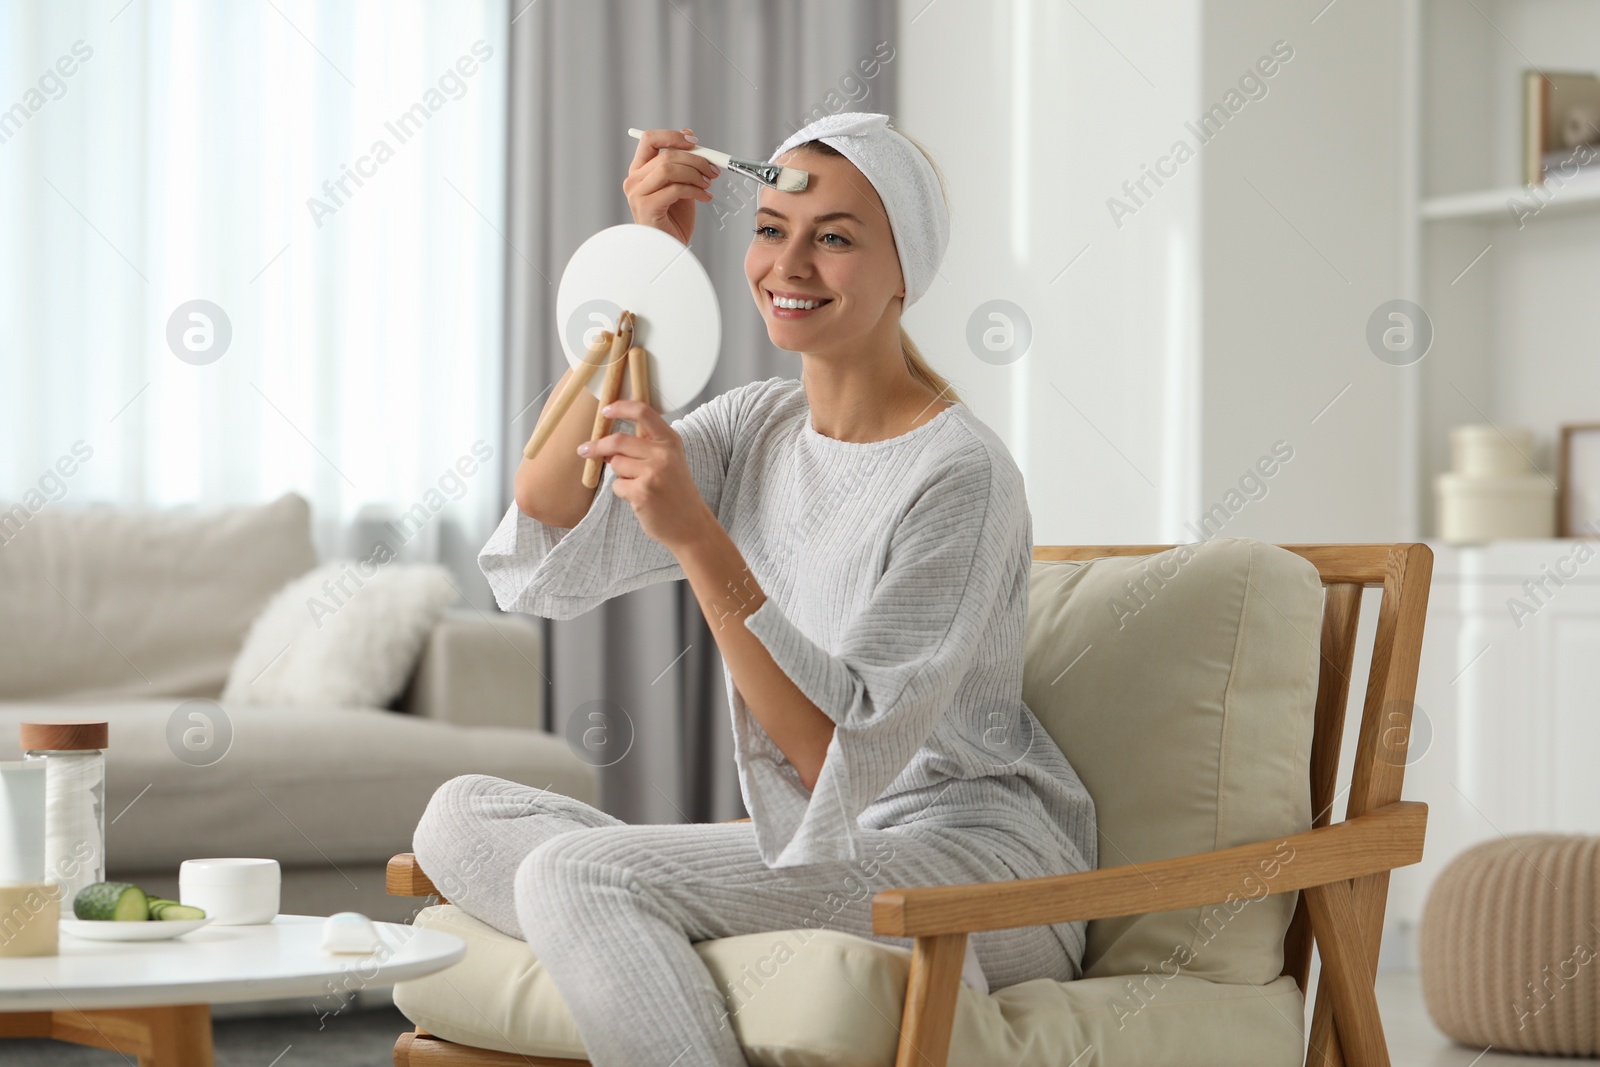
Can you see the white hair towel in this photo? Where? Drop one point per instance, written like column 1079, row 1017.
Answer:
column 905, row 181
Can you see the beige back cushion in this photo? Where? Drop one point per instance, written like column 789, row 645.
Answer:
column 110, row 602
column 1182, row 688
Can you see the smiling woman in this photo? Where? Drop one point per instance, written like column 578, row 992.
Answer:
column 840, row 179
column 859, row 545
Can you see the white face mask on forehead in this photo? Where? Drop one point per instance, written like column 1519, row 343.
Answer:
column 905, row 182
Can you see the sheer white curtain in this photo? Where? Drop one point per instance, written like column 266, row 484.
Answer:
column 331, row 176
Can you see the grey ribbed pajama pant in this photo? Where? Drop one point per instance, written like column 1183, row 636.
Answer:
column 611, row 909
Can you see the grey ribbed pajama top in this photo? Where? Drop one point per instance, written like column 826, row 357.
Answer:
column 896, row 575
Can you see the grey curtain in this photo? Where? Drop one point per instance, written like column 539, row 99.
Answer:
column 636, row 684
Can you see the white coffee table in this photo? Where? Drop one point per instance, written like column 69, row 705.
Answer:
column 151, row 999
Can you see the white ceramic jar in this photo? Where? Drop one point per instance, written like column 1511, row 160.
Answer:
column 233, row 890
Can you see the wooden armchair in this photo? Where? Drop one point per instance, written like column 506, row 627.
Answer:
column 1341, row 870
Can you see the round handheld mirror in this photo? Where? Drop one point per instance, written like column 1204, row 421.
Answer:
column 677, row 319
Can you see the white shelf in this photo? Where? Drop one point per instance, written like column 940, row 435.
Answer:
column 1492, row 205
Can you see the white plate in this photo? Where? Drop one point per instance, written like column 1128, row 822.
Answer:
column 650, row 273
column 149, row 930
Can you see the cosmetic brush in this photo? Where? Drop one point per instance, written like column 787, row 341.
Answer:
column 783, row 179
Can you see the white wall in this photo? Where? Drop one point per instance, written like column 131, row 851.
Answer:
column 1301, row 242
column 1209, row 324
column 1036, row 120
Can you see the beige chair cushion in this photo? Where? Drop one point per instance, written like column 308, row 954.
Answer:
column 820, row 998
column 107, row 602
column 1182, row 687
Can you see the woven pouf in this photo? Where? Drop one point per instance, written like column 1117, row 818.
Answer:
column 1510, row 945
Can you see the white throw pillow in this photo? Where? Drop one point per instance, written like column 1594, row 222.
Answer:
column 339, row 636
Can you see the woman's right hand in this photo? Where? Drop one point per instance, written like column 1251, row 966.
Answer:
column 665, row 180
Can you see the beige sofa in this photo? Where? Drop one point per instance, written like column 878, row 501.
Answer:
column 127, row 614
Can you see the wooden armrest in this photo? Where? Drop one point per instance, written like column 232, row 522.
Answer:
column 1376, row 840
column 403, row 877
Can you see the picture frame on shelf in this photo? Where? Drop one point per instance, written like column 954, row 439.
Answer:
column 1561, row 124
column 1580, row 480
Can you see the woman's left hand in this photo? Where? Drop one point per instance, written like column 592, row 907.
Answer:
column 652, row 474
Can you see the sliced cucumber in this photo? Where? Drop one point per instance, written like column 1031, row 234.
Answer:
column 114, row 901
column 162, row 908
